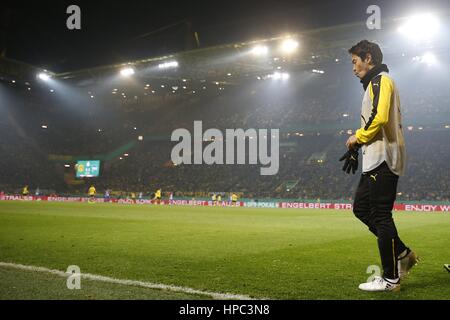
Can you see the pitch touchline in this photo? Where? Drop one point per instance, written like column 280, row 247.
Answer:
column 215, row 295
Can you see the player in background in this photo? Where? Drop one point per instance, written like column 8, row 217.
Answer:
column 25, row 191
column 219, row 199
column 133, row 197
column 213, row 198
column 381, row 140
column 107, row 195
column 234, row 198
column 157, row 196
column 91, row 193
column 170, row 198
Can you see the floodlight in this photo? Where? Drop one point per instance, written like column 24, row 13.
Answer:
column 429, row 59
column 279, row 75
column 127, row 72
column 44, row 76
column 420, row 27
column 166, row 65
column 260, row 50
column 289, row 46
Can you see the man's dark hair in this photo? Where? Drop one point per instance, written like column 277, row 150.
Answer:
column 362, row 48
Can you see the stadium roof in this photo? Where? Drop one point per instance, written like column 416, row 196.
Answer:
column 213, row 63
column 228, row 62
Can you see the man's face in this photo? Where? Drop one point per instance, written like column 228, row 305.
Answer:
column 361, row 67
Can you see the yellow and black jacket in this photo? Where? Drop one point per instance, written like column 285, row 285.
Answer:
column 381, row 132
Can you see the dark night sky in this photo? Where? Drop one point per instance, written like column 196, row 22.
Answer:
column 35, row 31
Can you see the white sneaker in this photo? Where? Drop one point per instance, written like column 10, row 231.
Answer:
column 405, row 264
column 379, row 284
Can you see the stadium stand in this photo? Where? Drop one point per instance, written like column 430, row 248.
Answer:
column 313, row 118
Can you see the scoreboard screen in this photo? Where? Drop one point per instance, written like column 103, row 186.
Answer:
column 88, row 168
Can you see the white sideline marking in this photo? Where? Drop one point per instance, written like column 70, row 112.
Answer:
column 215, row 295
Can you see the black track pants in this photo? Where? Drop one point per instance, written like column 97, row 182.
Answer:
column 374, row 201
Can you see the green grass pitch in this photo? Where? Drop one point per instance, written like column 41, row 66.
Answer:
column 263, row 253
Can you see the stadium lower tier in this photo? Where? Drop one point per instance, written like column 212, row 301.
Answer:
column 308, row 169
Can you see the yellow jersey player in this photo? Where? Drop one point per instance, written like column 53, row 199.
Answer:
column 158, row 196
column 214, row 199
column 219, row 198
column 133, row 197
column 383, row 148
column 234, row 199
column 25, row 191
column 92, row 193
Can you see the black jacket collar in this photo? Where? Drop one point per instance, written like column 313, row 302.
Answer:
column 372, row 73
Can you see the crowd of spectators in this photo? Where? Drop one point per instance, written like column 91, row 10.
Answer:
column 314, row 125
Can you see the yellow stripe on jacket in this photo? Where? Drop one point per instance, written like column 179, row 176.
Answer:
column 381, row 104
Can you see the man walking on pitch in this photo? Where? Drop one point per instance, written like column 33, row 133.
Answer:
column 381, row 140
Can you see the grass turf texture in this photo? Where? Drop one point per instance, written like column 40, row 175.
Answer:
column 264, row 253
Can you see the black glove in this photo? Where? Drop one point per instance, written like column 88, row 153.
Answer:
column 351, row 160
